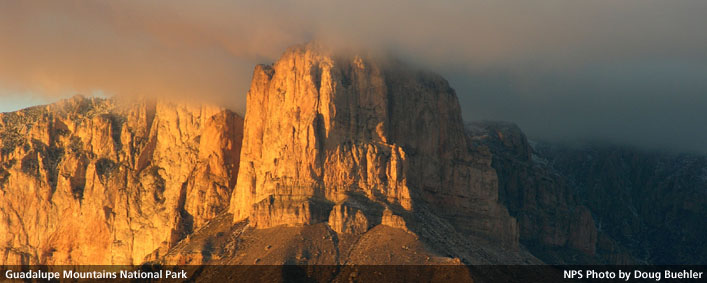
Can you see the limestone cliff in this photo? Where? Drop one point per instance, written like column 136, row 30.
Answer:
column 599, row 203
column 105, row 182
column 650, row 206
column 360, row 140
column 553, row 223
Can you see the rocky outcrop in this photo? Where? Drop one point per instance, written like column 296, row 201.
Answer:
column 105, row 182
column 554, row 225
column 649, row 206
column 346, row 219
column 322, row 130
column 590, row 203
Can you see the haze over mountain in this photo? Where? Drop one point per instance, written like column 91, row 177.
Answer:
column 342, row 158
column 623, row 71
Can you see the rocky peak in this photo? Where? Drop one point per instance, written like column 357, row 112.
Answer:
column 506, row 138
column 327, row 136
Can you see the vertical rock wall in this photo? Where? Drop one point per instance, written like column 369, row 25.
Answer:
column 90, row 181
column 364, row 131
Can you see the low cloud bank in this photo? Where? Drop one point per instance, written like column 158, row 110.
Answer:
column 624, row 71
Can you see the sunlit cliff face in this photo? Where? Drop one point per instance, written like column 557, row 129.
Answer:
column 109, row 182
column 327, row 136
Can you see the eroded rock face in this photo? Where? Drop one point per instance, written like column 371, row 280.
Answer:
column 650, row 205
column 95, row 181
column 553, row 223
column 347, row 219
column 593, row 203
column 322, row 130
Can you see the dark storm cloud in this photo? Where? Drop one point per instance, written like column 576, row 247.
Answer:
column 626, row 71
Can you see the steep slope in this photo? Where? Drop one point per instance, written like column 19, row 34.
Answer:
column 356, row 159
column 324, row 131
column 554, row 224
column 96, row 181
column 654, row 204
column 588, row 203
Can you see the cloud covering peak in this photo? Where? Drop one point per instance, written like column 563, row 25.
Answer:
column 627, row 71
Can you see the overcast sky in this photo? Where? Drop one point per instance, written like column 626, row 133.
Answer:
column 631, row 71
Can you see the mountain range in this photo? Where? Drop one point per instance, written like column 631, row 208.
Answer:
column 341, row 159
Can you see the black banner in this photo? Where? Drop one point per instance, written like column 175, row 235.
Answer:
column 355, row 273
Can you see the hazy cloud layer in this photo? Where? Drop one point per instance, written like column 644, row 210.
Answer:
column 627, row 71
